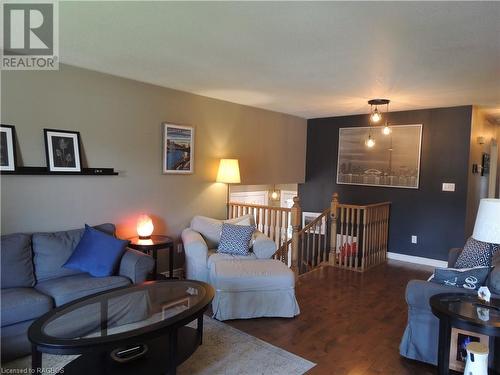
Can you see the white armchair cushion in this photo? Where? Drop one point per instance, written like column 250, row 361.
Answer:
column 214, row 256
column 251, row 275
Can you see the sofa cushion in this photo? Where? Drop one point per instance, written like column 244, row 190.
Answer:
column 235, row 239
column 16, row 261
column 251, row 275
column 21, row 304
column 476, row 254
column 211, row 229
column 70, row 288
column 97, row 253
column 214, row 256
column 52, row 250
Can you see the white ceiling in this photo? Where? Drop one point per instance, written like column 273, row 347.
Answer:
column 311, row 59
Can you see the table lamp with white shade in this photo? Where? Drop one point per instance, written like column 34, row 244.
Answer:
column 487, row 226
column 229, row 173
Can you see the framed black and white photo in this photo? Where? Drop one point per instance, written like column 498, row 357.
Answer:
column 309, row 217
column 7, row 148
column 178, row 149
column 62, row 149
column 392, row 160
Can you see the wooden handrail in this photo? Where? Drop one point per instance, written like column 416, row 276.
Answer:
column 363, row 207
column 251, row 205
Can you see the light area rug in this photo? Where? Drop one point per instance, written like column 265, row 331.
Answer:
column 225, row 351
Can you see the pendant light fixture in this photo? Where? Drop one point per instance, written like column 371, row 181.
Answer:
column 375, row 114
column 370, row 142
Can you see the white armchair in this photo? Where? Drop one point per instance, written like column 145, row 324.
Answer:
column 202, row 238
column 246, row 286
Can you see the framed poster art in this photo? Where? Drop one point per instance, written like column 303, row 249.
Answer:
column 393, row 161
column 62, row 150
column 7, row 148
column 178, row 149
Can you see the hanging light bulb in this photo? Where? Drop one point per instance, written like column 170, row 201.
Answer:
column 370, row 142
column 375, row 116
column 386, row 130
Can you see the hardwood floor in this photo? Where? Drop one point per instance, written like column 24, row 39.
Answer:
column 350, row 323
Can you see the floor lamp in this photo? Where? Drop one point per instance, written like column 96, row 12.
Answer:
column 229, row 173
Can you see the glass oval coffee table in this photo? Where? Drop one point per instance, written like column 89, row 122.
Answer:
column 143, row 329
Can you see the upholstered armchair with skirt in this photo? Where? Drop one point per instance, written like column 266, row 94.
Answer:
column 246, row 286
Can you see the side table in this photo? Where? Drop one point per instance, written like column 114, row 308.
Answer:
column 467, row 312
column 151, row 246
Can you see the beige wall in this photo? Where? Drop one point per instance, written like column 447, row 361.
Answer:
column 119, row 121
column 477, row 187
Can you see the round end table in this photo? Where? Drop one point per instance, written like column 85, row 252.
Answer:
column 467, row 312
column 151, row 246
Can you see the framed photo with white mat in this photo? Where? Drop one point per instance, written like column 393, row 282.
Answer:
column 459, row 340
column 62, row 149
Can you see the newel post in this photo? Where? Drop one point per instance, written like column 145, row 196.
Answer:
column 296, row 216
column 334, row 208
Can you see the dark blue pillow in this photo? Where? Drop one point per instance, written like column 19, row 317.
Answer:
column 467, row 278
column 97, row 253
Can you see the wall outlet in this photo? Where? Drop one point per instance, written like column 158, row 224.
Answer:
column 179, row 248
column 447, row 186
column 413, row 239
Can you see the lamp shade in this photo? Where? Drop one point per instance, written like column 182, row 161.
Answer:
column 229, row 171
column 487, row 227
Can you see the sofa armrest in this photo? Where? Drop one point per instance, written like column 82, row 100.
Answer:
column 136, row 265
column 418, row 292
column 453, row 255
column 263, row 247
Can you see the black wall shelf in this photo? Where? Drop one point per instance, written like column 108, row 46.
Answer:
column 45, row 171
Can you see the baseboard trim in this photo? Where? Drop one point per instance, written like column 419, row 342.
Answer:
column 417, row 260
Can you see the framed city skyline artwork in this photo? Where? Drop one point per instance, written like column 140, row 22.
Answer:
column 394, row 160
column 178, row 149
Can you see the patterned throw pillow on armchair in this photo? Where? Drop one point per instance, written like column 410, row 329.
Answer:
column 235, row 239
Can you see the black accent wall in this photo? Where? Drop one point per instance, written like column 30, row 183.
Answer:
column 436, row 217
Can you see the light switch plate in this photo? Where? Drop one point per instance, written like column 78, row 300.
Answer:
column 447, row 186
column 413, row 239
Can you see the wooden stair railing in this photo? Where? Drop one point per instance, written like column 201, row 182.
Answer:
column 362, row 234
column 344, row 235
column 348, row 236
column 274, row 222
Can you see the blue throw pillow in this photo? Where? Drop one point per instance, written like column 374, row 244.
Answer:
column 235, row 239
column 97, row 253
column 467, row 278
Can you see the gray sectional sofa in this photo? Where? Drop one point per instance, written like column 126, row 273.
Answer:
column 420, row 339
column 33, row 280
